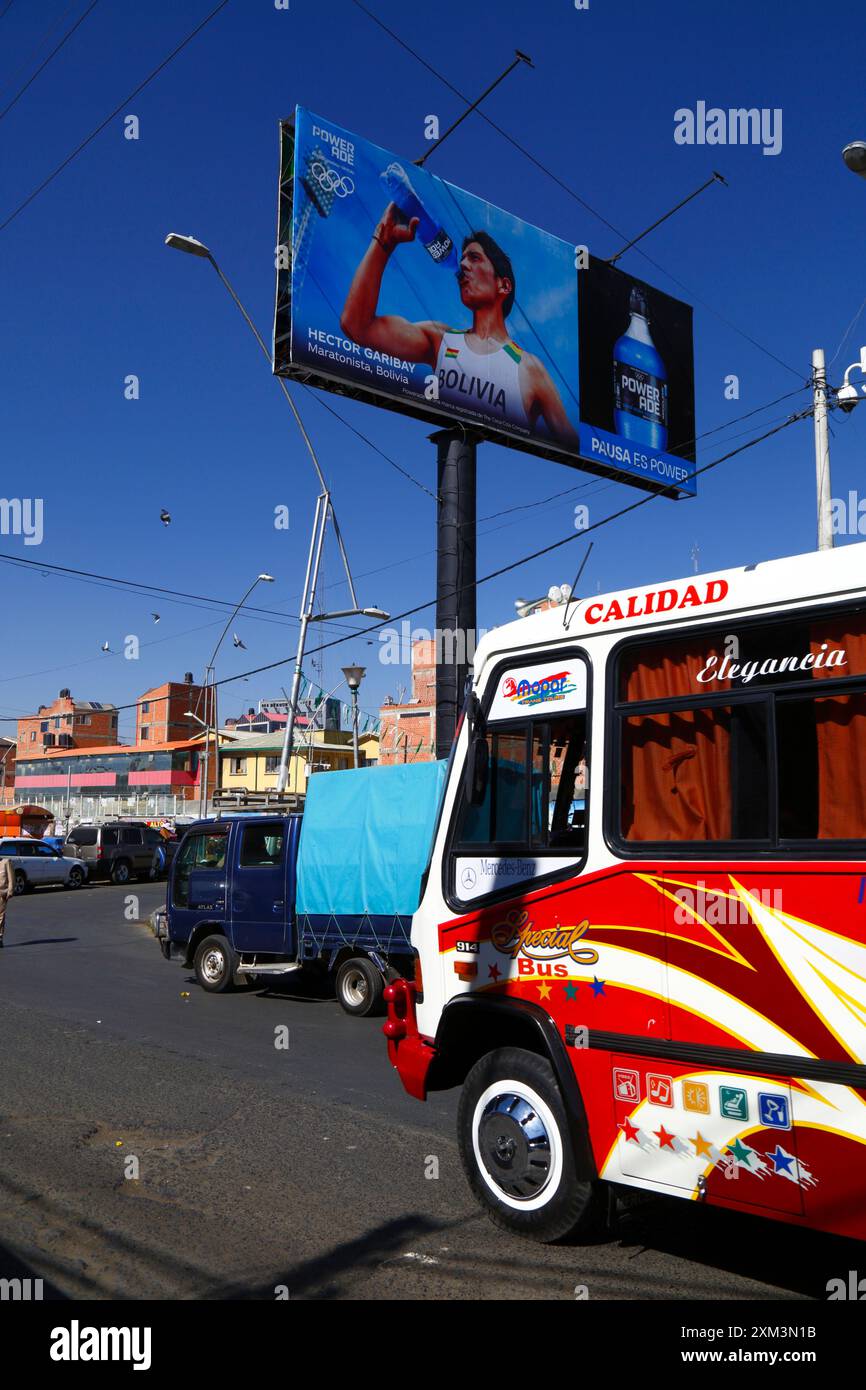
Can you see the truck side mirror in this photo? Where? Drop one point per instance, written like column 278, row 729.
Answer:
column 477, row 766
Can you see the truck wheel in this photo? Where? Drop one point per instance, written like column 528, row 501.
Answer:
column 120, row 871
column 359, row 986
column 517, row 1152
column 214, row 964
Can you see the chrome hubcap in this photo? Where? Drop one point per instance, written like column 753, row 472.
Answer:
column 213, row 965
column 515, row 1146
column 355, row 987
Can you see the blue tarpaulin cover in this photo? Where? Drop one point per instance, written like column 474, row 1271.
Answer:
column 365, row 840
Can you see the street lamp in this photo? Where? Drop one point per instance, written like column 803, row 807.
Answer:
column 324, row 513
column 354, row 675
column 854, row 156
column 191, row 714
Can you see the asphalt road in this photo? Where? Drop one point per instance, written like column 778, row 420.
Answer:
column 265, row 1170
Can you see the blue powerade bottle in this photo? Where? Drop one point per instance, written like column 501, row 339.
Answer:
column 435, row 239
column 640, row 380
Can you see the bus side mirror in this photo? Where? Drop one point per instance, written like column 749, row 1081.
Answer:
column 477, row 765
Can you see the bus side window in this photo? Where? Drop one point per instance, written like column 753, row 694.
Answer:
column 537, row 788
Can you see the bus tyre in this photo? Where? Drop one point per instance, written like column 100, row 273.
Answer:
column 359, row 986
column 517, row 1152
column 214, row 964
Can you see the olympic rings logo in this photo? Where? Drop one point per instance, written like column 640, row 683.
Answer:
column 331, row 181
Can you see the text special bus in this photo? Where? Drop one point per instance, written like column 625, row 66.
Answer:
column 641, row 942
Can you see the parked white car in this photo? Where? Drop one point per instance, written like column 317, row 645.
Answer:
column 35, row 863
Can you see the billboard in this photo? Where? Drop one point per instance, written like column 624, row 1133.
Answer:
column 398, row 288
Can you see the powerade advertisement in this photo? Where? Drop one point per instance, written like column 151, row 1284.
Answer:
column 637, row 376
column 398, row 288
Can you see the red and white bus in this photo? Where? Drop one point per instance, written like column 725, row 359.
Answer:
column 641, row 942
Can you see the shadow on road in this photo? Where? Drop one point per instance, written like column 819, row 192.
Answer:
column 39, row 941
column 325, row 1276
column 12, row 1267
column 787, row 1257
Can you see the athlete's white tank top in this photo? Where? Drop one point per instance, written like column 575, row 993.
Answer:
column 483, row 383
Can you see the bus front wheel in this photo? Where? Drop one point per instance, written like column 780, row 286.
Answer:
column 517, row 1151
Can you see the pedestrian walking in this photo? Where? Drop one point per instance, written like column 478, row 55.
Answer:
column 7, row 888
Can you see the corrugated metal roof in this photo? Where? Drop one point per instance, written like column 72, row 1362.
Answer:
column 273, row 743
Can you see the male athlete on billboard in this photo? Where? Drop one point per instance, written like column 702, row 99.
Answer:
column 479, row 369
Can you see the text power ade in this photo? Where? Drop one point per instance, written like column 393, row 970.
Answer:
column 437, row 241
column 640, row 380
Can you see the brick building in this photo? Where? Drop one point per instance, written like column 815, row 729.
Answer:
column 407, row 732
column 161, row 715
column 7, row 770
column 67, row 723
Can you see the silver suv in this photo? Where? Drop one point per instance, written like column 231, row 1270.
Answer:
column 119, row 850
column 35, row 863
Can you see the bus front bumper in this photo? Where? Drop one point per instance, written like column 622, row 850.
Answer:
column 408, row 1051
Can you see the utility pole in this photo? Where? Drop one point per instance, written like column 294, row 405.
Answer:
column 822, row 450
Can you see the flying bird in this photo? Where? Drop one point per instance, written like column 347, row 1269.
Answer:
column 155, row 617
column 165, row 517
column 237, row 641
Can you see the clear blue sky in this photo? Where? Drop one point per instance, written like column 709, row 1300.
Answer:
column 90, row 295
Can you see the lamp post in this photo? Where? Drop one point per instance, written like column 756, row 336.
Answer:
column 190, row 714
column 210, row 701
column 354, row 675
column 307, row 617
column 324, row 513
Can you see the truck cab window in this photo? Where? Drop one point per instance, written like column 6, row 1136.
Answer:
column 202, row 851
column 261, row 846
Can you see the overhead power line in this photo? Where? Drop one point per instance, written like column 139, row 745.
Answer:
column 44, row 64
column 34, row 51
column 527, row 154
column 317, row 396
column 515, row 564
column 546, row 549
column 144, row 590
column 109, row 118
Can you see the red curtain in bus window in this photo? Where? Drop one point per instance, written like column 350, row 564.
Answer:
column 676, row 766
column 840, row 725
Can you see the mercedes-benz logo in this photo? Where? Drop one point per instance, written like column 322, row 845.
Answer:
column 468, row 878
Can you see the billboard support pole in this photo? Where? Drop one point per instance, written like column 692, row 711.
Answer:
column 455, row 577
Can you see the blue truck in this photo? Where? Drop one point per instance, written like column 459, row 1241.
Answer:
column 253, row 895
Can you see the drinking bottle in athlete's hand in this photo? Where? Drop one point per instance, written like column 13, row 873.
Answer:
column 640, row 380
column 436, row 240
